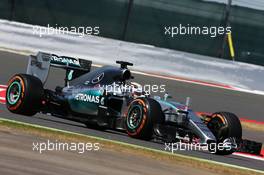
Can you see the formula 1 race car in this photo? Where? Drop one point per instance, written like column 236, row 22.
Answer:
column 105, row 98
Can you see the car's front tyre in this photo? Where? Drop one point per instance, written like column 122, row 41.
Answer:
column 227, row 129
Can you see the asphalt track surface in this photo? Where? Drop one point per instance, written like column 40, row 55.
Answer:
column 203, row 99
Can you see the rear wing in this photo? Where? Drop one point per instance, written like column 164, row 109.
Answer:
column 39, row 66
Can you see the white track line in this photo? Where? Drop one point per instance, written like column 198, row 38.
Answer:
column 183, row 80
column 249, row 156
column 227, row 87
column 137, row 146
column 26, row 53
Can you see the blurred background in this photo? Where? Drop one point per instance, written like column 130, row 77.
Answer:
column 143, row 21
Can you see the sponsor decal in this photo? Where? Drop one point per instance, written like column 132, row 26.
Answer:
column 70, row 75
column 2, row 94
column 87, row 98
column 65, row 60
column 102, row 101
column 98, row 78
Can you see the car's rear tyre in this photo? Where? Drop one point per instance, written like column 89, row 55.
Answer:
column 225, row 125
column 143, row 114
column 24, row 94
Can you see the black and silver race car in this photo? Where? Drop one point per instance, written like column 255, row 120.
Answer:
column 105, row 98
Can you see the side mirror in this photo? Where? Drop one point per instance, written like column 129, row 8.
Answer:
column 187, row 103
column 167, row 96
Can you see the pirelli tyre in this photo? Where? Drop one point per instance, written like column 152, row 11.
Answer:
column 227, row 129
column 24, row 94
column 143, row 114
